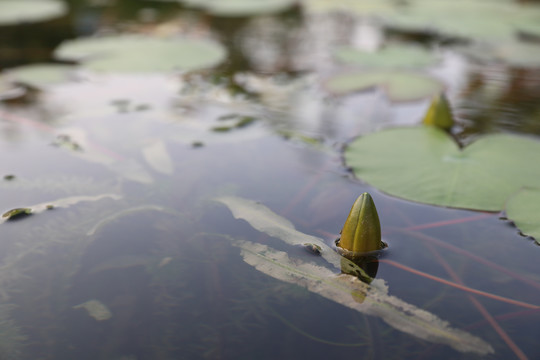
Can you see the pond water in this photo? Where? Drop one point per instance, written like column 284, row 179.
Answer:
column 135, row 259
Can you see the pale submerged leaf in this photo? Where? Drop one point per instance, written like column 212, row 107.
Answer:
column 95, row 309
column 158, row 158
column 347, row 290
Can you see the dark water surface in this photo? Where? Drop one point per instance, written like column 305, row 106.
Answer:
column 146, row 253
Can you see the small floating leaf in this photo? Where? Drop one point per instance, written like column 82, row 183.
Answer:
column 131, row 53
column 399, row 86
column 95, row 309
column 523, row 209
column 425, row 164
column 17, row 213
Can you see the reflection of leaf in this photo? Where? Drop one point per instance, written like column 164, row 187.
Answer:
column 425, row 164
column 157, row 157
column 523, row 209
column 368, row 299
column 344, row 289
column 398, row 85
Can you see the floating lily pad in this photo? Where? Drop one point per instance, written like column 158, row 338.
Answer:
column 132, row 53
column 425, row 164
column 365, row 7
column 398, row 85
column 517, row 54
column 523, row 209
column 393, row 56
column 478, row 19
column 20, row 11
column 40, row 75
column 241, row 7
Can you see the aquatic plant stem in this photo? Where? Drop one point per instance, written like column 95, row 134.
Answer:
column 460, row 286
column 457, row 250
column 449, row 222
column 489, row 318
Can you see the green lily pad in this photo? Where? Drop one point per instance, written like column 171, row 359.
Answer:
column 132, row 53
column 478, row 19
column 398, row 85
column 365, row 7
column 393, row 56
column 523, row 209
column 241, row 7
column 519, row 54
column 425, row 164
column 20, row 11
column 40, row 75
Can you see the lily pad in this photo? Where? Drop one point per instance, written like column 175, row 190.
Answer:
column 523, row 209
column 398, row 85
column 20, row 11
column 478, row 19
column 518, row 54
column 40, row 75
column 425, row 164
column 392, row 56
column 132, row 53
column 363, row 8
column 241, row 7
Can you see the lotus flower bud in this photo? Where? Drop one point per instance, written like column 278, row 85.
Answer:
column 362, row 230
column 439, row 113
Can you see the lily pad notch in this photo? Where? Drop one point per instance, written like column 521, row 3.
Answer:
column 425, row 164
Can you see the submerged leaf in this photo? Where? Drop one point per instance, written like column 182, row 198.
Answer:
column 344, row 289
column 96, row 309
column 17, row 213
column 157, row 156
column 349, row 291
column 425, row 164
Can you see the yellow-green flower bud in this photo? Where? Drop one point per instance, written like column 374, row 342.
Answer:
column 362, row 230
column 439, row 113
